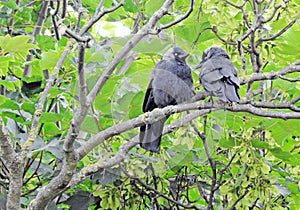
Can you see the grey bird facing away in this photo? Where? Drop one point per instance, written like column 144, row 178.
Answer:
column 171, row 83
column 219, row 77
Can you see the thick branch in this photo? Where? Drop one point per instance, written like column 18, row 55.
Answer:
column 294, row 67
column 155, row 115
column 15, row 167
column 39, row 106
column 71, row 158
column 81, row 76
column 125, row 148
column 158, row 114
column 7, row 151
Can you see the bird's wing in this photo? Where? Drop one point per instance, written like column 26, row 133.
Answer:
column 211, row 70
column 149, row 103
column 231, row 81
column 230, row 72
column 210, row 77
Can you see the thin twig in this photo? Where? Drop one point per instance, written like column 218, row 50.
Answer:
column 64, row 9
column 55, row 27
column 148, row 187
column 210, row 160
column 273, row 14
column 80, row 14
column 277, row 34
column 191, row 8
column 289, row 79
column 98, row 16
column 239, row 199
column 37, row 30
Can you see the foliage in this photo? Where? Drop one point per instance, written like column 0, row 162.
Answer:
column 230, row 160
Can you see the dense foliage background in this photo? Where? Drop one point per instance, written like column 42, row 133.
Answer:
column 73, row 78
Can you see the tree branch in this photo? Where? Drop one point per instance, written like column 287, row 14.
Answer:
column 239, row 199
column 81, row 76
column 294, row 67
column 125, row 148
column 46, row 193
column 13, row 162
column 98, row 16
column 274, row 11
column 148, row 187
column 7, row 151
column 37, row 30
column 242, row 10
column 71, row 158
column 179, row 19
column 39, row 106
column 289, row 79
column 210, row 160
column 278, row 34
column 158, row 114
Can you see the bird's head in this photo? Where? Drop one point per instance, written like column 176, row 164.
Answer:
column 213, row 52
column 176, row 53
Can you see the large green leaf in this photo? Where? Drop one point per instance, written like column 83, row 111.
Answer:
column 17, row 44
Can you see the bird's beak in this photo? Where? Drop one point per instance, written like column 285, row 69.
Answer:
column 184, row 56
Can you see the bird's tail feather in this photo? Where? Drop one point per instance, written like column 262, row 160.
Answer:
column 150, row 135
column 231, row 93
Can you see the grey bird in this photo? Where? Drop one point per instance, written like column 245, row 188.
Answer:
column 171, row 83
column 218, row 76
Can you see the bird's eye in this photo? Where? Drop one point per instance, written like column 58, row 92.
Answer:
column 176, row 54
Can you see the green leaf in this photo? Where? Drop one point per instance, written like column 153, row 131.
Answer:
column 279, row 153
column 8, row 85
column 3, row 99
column 8, row 104
column 54, row 92
column 152, row 6
column 90, row 125
column 5, row 63
column 260, row 145
column 153, row 45
column 130, row 6
column 28, row 107
column 181, row 155
column 191, row 30
column 49, row 60
column 48, row 117
column 11, row 4
column 46, row 43
column 265, row 168
column 17, row 44
column 228, row 143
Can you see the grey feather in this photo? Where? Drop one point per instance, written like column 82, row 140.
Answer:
column 218, row 76
column 171, row 83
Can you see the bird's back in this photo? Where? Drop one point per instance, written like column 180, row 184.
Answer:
column 219, row 78
column 172, row 83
